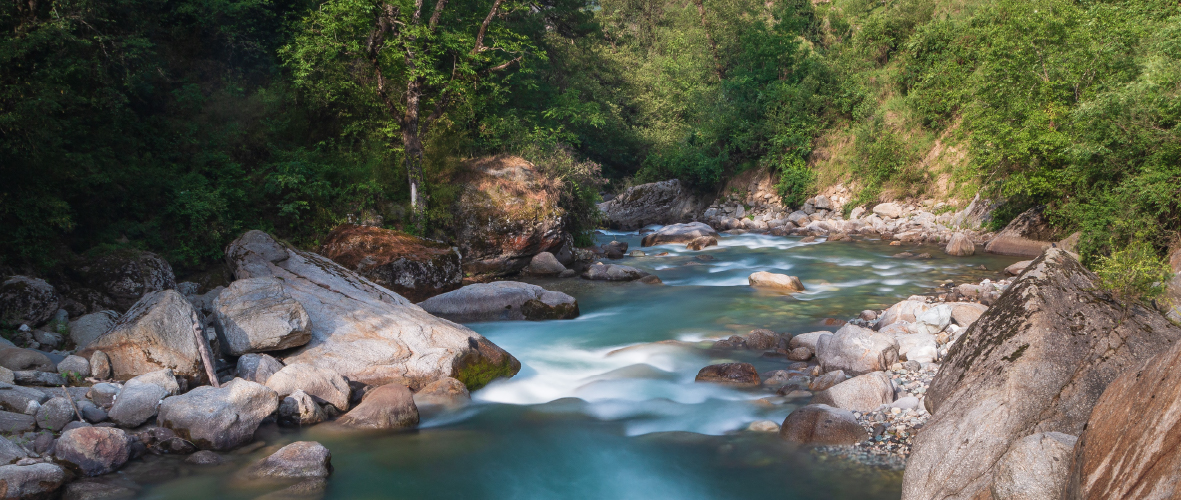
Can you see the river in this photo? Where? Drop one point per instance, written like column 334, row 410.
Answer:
column 605, row 406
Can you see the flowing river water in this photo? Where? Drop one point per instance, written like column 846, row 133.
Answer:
column 605, row 406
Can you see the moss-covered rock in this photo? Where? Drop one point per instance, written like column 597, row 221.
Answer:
column 416, row 268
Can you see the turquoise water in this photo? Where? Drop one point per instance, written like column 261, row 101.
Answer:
column 605, row 406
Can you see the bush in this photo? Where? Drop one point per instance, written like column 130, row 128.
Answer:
column 1135, row 273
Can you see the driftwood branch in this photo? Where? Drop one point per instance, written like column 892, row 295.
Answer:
column 203, row 348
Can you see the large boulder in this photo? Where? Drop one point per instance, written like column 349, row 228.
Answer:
column 94, row 451
column 507, row 213
column 390, row 406
column 888, row 210
column 856, row 351
column 1036, row 467
column 773, row 281
column 822, row 425
column 545, row 264
column 324, row 385
column 219, row 418
column 1027, row 235
column 85, row 329
column 960, row 246
column 678, row 233
column 1036, row 361
column 298, row 460
column 31, row 482
column 363, row 331
column 157, row 333
column 413, row 267
column 1130, row 448
column 861, row 393
column 257, row 314
column 123, row 276
column 664, row 202
column 17, row 359
column 732, row 374
column 501, row 300
column 27, row 300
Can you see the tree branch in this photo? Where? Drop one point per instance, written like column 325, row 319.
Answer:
column 479, row 47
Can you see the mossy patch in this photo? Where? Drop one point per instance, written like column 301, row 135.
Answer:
column 482, row 371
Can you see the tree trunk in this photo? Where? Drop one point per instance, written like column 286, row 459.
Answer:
column 412, row 142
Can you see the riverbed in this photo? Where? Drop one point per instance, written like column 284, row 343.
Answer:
column 605, row 406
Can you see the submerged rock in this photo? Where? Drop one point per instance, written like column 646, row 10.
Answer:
column 298, row 460
column 363, row 331
column 501, row 300
column 1043, row 353
column 413, row 267
column 702, row 242
column 445, row 391
column 613, row 272
column 764, row 279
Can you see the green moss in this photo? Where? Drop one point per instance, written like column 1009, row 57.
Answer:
column 481, row 371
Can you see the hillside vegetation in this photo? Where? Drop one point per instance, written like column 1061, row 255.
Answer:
column 175, row 125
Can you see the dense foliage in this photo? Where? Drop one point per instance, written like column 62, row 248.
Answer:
column 173, row 125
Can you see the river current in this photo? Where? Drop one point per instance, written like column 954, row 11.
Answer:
column 605, row 406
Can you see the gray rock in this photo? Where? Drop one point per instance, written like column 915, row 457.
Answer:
column 219, row 418
column 326, row 386
column 856, row 351
column 140, row 398
column 1036, row 467
column 300, row 409
column 960, row 246
column 94, row 451
column 258, row 315
column 100, row 365
column 545, row 264
column 806, row 340
column 156, row 334
column 678, row 233
column 613, row 272
column 1044, row 353
column 31, row 481
column 7, row 376
column 827, row 380
column 888, row 210
column 76, row 365
column 48, row 340
column 258, row 367
column 17, row 359
column 298, row 460
column 14, row 423
column 663, row 202
column 390, row 406
column 966, row 313
column 919, row 347
column 91, row 412
column 55, row 414
column 732, row 374
column 501, row 300
column 363, row 331
column 33, row 377
column 18, row 399
column 822, row 425
column 28, row 300
column 907, row 310
column 103, row 394
column 861, row 393
column 10, row 452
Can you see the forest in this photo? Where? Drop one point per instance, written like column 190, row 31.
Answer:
column 174, row 125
